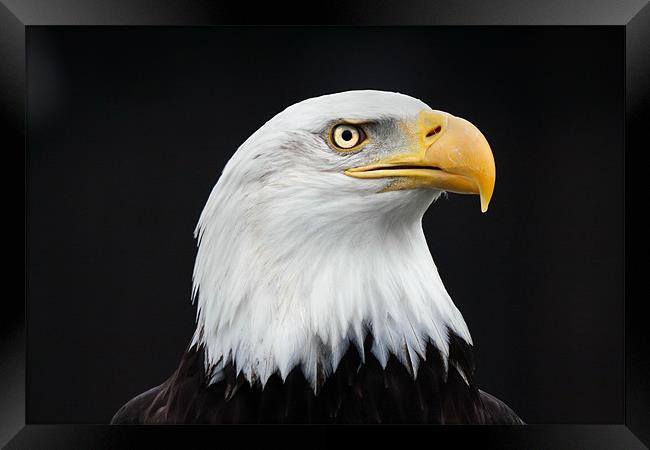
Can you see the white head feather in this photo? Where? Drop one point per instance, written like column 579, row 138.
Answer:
column 297, row 261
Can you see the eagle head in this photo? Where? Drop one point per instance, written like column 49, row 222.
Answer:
column 312, row 236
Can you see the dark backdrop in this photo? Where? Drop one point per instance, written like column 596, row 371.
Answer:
column 129, row 128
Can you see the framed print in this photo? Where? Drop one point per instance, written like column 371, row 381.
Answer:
column 280, row 225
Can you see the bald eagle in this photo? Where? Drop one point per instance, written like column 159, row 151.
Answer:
column 317, row 298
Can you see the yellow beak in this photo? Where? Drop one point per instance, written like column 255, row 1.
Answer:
column 449, row 154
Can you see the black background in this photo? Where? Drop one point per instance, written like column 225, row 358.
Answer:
column 128, row 130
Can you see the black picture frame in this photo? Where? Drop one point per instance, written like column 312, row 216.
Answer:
column 16, row 16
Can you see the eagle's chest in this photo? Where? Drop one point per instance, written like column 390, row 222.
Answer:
column 357, row 392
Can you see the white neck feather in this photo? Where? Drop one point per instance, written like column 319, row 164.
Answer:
column 288, row 279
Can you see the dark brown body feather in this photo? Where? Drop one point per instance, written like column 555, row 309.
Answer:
column 357, row 392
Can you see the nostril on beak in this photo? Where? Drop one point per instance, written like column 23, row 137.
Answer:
column 432, row 132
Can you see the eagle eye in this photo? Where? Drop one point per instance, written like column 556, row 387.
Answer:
column 346, row 136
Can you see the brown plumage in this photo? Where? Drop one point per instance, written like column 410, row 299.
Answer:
column 357, row 392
